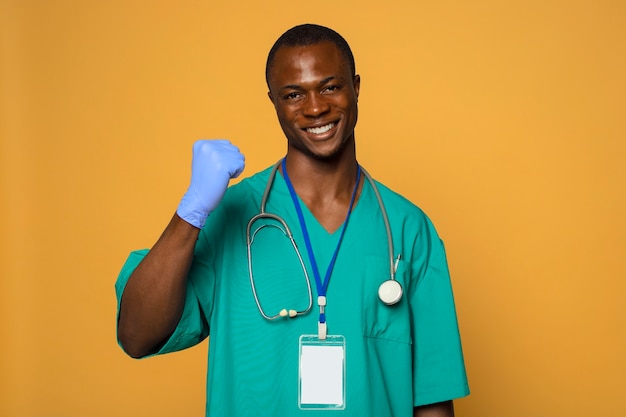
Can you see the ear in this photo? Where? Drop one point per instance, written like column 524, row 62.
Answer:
column 356, row 83
column 271, row 97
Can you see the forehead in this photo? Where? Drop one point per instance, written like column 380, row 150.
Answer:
column 299, row 64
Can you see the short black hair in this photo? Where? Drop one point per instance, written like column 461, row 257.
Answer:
column 310, row 34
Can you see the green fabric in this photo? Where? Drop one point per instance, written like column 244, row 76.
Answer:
column 396, row 357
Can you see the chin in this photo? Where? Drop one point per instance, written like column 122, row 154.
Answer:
column 328, row 155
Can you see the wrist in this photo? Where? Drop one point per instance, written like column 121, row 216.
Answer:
column 190, row 212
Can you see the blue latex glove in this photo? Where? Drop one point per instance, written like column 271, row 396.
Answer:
column 213, row 164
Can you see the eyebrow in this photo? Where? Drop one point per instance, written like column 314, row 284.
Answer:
column 299, row 87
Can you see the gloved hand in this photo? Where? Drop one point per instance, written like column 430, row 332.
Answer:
column 213, row 164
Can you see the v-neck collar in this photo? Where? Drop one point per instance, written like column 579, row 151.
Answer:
column 313, row 224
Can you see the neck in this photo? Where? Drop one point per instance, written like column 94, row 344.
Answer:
column 322, row 179
column 325, row 186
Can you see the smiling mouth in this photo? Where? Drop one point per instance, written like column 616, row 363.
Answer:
column 320, row 129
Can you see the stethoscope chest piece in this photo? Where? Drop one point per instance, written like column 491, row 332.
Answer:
column 390, row 292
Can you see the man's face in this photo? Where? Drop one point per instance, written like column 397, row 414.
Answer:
column 315, row 97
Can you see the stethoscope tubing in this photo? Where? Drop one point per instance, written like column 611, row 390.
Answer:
column 287, row 231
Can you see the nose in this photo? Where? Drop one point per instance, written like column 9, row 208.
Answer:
column 315, row 105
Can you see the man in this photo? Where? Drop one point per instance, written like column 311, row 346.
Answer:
column 214, row 272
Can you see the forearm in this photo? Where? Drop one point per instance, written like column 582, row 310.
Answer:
column 443, row 409
column 154, row 296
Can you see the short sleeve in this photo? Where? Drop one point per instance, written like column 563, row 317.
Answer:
column 192, row 327
column 439, row 369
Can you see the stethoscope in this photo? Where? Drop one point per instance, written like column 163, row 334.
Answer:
column 389, row 292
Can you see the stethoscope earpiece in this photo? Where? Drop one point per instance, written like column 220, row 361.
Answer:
column 288, row 313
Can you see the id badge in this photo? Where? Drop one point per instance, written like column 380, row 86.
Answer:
column 322, row 373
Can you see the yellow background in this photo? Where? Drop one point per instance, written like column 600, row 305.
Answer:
column 504, row 120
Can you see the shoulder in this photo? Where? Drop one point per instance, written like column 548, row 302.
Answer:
column 405, row 215
column 240, row 202
column 397, row 205
column 397, row 199
column 252, row 186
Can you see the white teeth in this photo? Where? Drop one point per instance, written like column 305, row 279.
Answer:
column 321, row 129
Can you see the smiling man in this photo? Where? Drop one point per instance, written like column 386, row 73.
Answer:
column 361, row 324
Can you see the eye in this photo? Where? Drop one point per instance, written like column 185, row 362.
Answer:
column 331, row 89
column 292, row 96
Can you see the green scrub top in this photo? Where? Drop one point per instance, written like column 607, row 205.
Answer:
column 397, row 357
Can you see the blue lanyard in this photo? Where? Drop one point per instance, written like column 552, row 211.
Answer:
column 322, row 286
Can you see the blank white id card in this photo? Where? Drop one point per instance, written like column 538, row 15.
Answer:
column 322, row 373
